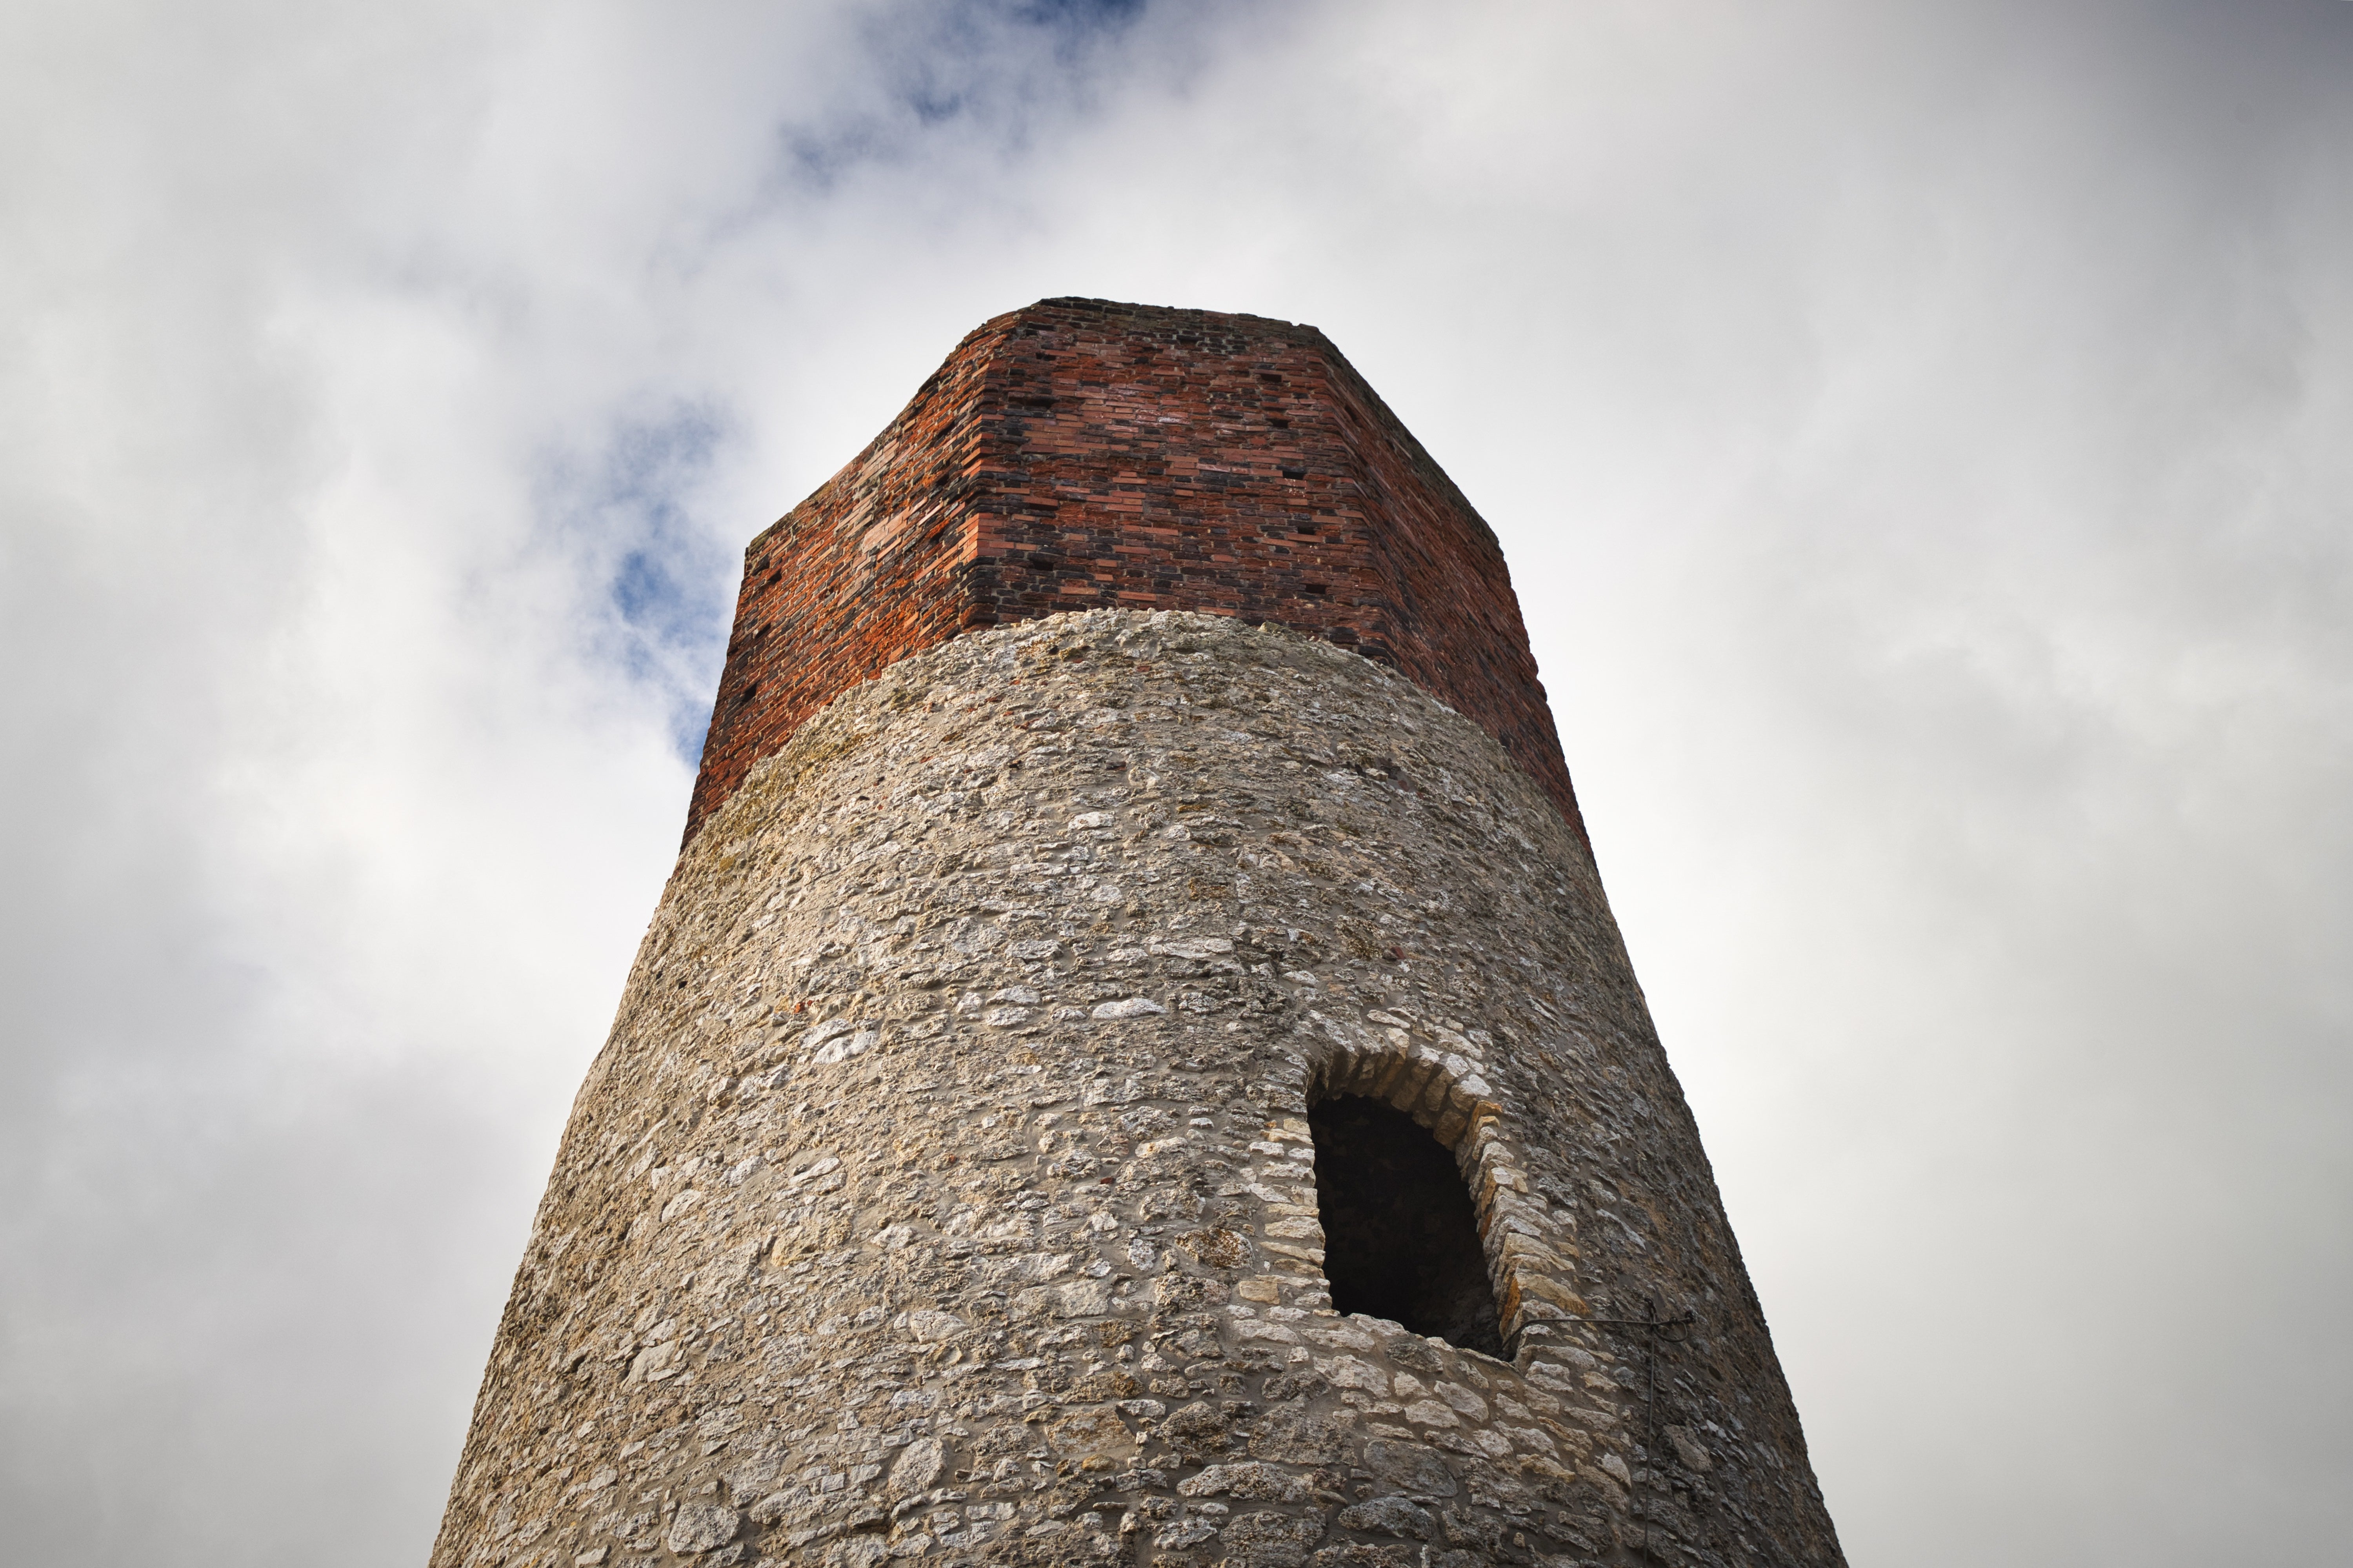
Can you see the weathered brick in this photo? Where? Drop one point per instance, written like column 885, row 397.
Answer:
column 1085, row 455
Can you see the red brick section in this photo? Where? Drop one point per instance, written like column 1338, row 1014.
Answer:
column 1083, row 455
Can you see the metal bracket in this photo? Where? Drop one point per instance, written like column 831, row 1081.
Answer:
column 1652, row 1327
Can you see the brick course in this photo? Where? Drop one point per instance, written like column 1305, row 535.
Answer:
column 1081, row 455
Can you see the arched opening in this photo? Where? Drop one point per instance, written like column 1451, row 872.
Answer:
column 1400, row 1239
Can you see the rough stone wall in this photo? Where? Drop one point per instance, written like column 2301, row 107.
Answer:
column 1079, row 454
column 945, row 1193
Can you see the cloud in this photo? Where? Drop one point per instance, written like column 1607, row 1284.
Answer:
column 1916, row 432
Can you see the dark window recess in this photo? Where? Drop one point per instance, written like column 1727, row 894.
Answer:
column 1400, row 1239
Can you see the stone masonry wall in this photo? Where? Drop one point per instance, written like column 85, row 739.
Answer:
column 944, row 1193
column 1080, row 453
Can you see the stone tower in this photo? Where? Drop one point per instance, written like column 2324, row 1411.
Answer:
column 1135, row 1063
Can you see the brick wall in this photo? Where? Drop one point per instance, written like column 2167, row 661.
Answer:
column 1083, row 455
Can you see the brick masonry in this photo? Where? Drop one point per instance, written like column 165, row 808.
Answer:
column 1081, row 455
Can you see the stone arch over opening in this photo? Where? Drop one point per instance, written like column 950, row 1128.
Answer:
column 1400, row 1237
column 1444, row 1096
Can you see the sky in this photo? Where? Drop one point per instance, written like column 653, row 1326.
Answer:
column 1919, row 434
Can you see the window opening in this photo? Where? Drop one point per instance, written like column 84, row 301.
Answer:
column 1400, row 1237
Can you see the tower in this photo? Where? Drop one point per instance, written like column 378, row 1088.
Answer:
column 1135, row 1063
